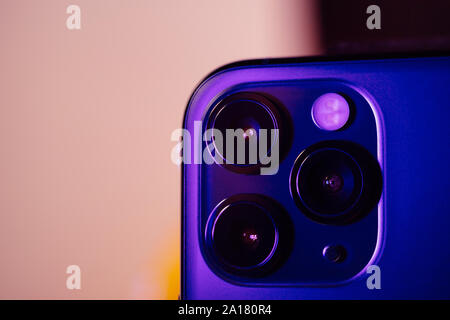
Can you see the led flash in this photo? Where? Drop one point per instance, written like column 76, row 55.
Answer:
column 330, row 111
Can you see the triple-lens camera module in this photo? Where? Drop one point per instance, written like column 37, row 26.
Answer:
column 287, row 227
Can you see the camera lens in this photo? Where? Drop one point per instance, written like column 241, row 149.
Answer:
column 248, row 235
column 329, row 181
column 246, row 113
column 336, row 182
column 244, row 235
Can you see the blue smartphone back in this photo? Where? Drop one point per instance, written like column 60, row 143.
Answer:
column 402, row 118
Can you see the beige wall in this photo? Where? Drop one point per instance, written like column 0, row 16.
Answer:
column 85, row 124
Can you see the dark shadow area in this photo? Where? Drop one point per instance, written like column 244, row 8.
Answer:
column 405, row 26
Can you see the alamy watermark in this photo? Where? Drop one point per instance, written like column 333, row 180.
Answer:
column 73, row 281
column 374, row 280
column 242, row 147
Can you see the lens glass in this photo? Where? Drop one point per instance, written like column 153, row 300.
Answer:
column 329, row 181
column 244, row 235
column 244, row 114
column 249, row 113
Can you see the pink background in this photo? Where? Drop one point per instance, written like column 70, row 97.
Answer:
column 85, row 124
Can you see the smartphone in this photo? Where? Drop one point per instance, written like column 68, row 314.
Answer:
column 318, row 178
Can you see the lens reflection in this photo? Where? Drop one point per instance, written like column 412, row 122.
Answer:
column 244, row 235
